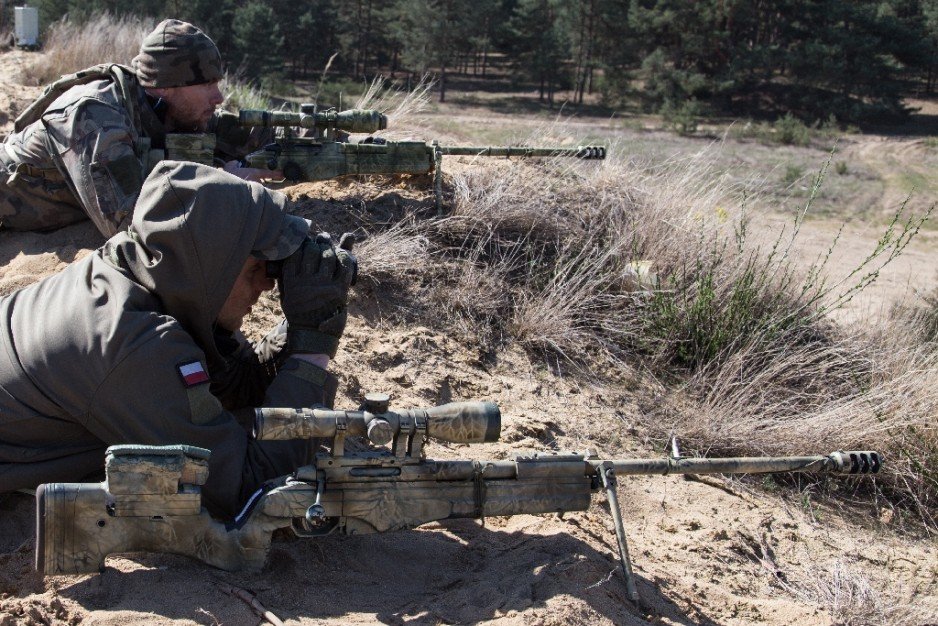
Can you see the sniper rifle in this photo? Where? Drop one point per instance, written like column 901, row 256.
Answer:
column 326, row 151
column 150, row 499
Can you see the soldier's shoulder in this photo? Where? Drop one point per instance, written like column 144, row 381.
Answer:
column 98, row 95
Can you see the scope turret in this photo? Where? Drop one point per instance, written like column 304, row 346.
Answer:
column 456, row 422
column 352, row 120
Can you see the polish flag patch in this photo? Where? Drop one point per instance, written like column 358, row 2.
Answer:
column 193, row 374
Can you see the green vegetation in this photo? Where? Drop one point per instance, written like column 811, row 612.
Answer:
column 793, row 173
column 854, row 60
column 682, row 118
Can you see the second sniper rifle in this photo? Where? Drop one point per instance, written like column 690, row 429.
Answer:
column 150, row 499
column 325, row 151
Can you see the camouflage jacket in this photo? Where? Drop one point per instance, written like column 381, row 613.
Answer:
column 88, row 155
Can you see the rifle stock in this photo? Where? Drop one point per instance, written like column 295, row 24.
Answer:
column 149, row 500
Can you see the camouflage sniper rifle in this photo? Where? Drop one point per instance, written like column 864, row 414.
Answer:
column 150, row 499
column 326, row 152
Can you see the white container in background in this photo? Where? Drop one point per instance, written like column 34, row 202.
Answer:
column 26, row 21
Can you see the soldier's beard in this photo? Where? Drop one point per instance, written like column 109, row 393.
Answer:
column 185, row 120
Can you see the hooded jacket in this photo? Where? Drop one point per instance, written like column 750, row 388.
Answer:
column 117, row 347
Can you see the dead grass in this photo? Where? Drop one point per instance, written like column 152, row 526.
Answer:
column 71, row 46
column 847, row 594
column 544, row 255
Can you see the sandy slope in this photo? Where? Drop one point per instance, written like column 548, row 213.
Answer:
column 705, row 553
column 712, row 552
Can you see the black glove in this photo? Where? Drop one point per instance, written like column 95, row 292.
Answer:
column 314, row 285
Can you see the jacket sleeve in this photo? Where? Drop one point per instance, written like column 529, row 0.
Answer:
column 251, row 368
column 244, row 379
column 160, row 395
column 94, row 147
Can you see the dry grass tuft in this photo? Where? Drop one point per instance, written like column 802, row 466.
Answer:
column 402, row 107
column 850, row 599
column 71, row 46
column 617, row 264
column 398, row 252
column 241, row 94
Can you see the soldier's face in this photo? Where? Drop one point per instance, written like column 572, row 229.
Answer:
column 190, row 108
column 248, row 287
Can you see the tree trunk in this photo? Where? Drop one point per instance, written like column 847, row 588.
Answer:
column 367, row 38
column 443, row 83
column 485, row 56
column 358, row 39
column 579, row 68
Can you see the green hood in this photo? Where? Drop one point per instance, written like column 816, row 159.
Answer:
column 193, row 228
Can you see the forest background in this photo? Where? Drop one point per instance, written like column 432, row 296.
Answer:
column 822, row 61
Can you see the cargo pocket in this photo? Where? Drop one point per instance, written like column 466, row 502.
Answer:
column 105, row 191
column 117, row 184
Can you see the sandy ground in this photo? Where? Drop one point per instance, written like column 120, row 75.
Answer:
column 708, row 551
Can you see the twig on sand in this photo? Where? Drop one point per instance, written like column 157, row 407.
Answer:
column 251, row 600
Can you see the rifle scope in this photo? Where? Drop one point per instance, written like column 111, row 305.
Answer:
column 456, row 422
column 352, row 121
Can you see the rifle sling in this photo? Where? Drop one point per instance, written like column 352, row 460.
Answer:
column 478, row 477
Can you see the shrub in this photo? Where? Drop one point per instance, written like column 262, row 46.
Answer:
column 791, row 131
column 793, row 173
column 544, row 255
column 681, row 118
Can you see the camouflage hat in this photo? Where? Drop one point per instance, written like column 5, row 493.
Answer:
column 177, row 54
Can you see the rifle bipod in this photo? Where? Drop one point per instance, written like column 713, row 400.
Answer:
column 607, row 475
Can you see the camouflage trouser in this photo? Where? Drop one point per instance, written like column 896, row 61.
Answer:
column 31, row 202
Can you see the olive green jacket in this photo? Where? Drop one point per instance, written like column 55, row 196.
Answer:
column 115, row 348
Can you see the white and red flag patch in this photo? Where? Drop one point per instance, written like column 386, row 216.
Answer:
column 193, row 373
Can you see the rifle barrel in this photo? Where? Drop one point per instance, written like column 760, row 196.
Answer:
column 854, row 462
column 580, row 152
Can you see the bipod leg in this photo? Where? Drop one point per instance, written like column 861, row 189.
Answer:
column 608, row 477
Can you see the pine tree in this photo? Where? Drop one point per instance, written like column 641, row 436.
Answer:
column 257, row 41
column 431, row 35
column 540, row 45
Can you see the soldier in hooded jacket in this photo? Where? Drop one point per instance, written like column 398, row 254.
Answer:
column 84, row 153
column 126, row 344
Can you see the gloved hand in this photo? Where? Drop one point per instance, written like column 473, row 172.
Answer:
column 314, row 286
